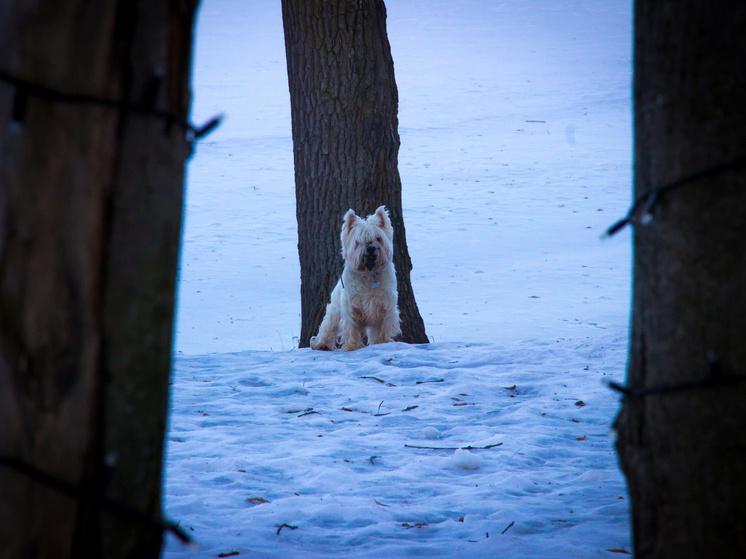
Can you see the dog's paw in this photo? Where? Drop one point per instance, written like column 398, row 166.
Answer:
column 319, row 345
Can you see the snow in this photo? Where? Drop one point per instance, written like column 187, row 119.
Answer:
column 494, row 439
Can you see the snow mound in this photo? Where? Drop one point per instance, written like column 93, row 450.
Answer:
column 430, row 433
column 466, row 460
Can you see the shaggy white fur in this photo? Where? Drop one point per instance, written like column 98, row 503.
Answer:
column 363, row 304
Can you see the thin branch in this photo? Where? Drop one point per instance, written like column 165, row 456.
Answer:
column 285, row 526
column 454, row 447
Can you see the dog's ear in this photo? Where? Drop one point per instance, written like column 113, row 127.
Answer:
column 382, row 218
column 348, row 221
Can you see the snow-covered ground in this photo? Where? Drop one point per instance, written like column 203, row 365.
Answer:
column 515, row 120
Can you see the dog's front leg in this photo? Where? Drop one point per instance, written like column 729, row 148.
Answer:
column 352, row 333
column 386, row 326
column 376, row 335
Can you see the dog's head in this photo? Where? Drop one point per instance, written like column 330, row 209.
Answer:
column 368, row 244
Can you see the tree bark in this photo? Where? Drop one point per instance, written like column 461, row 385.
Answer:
column 90, row 217
column 684, row 453
column 344, row 105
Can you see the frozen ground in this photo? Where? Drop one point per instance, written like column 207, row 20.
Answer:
column 515, row 121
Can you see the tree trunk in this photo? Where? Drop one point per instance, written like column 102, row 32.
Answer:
column 344, row 105
column 684, row 452
column 90, row 216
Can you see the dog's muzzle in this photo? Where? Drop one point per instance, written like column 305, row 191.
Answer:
column 370, row 256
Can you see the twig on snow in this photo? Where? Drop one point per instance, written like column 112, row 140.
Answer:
column 379, row 414
column 285, row 526
column 454, row 447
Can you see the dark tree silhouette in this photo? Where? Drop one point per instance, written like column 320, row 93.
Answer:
column 90, row 216
column 344, row 106
column 684, row 452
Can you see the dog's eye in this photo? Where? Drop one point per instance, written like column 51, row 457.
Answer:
column 378, row 239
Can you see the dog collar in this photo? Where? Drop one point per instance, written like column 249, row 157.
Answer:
column 373, row 284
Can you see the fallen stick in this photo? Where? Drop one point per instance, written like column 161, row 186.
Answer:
column 285, row 526
column 454, row 447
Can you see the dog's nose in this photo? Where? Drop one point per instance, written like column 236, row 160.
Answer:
column 370, row 249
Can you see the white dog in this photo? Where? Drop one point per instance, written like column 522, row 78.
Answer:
column 365, row 298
